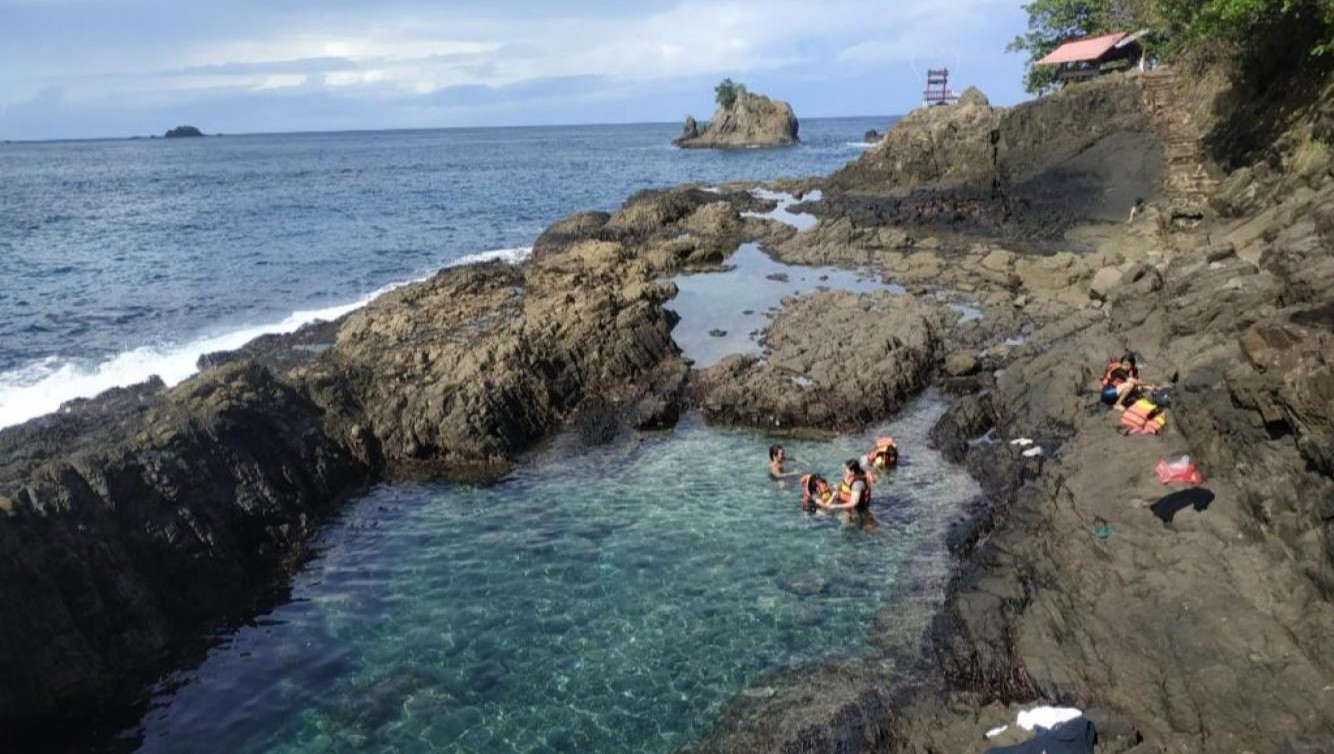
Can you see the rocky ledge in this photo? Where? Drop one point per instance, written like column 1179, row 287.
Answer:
column 753, row 120
column 136, row 523
column 1196, row 623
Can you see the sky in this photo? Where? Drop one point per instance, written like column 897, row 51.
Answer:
column 94, row 68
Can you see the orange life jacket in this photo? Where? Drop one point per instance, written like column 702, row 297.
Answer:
column 887, row 448
column 1112, row 369
column 1143, row 417
column 808, row 502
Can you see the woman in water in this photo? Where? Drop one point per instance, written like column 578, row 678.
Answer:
column 854, row 497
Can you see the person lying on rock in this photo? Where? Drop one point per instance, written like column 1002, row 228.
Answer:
column 777, row 457
column 1120, row 381
column 854, row 497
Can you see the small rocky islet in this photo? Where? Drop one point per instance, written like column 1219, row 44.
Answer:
column 742, row 119
column 138, row 521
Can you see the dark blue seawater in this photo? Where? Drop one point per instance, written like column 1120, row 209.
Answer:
column 120, row 259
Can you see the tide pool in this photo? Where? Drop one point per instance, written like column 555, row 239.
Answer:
column 598, row 599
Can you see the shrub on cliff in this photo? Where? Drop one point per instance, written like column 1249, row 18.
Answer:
column 728, row 92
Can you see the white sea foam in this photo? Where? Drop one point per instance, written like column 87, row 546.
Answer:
column 39, row 388
column 859, row 144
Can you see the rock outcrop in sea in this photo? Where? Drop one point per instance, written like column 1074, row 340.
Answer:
column 752, row 120
column 180, row 132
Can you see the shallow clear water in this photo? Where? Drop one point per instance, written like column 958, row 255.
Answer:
column 144, row 249
column 737, row 303
column 606, row 599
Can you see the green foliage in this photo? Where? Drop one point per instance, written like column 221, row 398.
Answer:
column 1054, row 22
column 1247, row 22
column 728, row 92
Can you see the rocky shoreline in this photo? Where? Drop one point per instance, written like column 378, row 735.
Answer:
column 143, row 518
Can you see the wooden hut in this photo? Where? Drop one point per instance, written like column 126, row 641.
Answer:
column 1094, row 56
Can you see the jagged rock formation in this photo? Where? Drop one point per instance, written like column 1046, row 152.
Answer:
column 1087, row 152
column 1181, row 628
column 135, row 521
column 183, row 132
column 753, row 120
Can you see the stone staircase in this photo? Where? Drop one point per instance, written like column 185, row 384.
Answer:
column 1189, row 176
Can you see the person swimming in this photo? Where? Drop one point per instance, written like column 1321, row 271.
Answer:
column 777, row 457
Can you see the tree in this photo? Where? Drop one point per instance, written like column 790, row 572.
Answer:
column 728, row 92
column 1053, row 23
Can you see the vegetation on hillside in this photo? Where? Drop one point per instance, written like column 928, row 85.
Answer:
column 1254, row 32
column 728, row 92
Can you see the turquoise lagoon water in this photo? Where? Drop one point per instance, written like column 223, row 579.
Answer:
column 597, row 600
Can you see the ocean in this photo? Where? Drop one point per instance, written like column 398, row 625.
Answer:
column 126, row 258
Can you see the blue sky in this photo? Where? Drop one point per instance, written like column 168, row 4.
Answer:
column 87, row 68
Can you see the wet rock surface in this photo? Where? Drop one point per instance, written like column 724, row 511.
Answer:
column 833, row 361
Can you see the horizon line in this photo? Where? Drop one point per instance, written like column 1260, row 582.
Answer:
column 313, row 132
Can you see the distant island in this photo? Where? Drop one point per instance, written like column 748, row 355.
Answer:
column 742, row 119
column 181, row 132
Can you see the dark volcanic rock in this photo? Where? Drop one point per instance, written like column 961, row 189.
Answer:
column 1086, row 152
column 142, row 518
column 833, row 361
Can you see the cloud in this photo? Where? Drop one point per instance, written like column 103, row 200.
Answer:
column 405, row 58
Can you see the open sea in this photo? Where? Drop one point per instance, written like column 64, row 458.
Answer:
column 607, row 599
column 125, row 258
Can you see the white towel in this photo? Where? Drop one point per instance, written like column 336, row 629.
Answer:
column 1046, row 717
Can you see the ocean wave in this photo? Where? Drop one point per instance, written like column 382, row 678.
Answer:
column 41, row 387
column 859, row 144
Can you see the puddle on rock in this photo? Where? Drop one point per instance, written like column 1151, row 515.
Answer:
column 799, row 220
column 720, row 301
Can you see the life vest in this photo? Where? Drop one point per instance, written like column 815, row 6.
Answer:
column 1109, row 375
column 845, row 495
column 888, row 449
column 808, row 502
column 1143, row 417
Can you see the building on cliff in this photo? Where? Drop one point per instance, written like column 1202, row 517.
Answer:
column 1090, row 57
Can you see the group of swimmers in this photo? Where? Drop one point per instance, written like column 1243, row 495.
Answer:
column 853, row 496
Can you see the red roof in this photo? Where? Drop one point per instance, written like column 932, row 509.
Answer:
column 1083, row 49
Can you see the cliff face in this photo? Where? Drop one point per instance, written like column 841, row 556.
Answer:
column 752, row 121
column 1086, row 152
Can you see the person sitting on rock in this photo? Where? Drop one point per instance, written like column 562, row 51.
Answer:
column 854, row 497
column 815, row 493
column 1120, row 380
column 777, row 457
